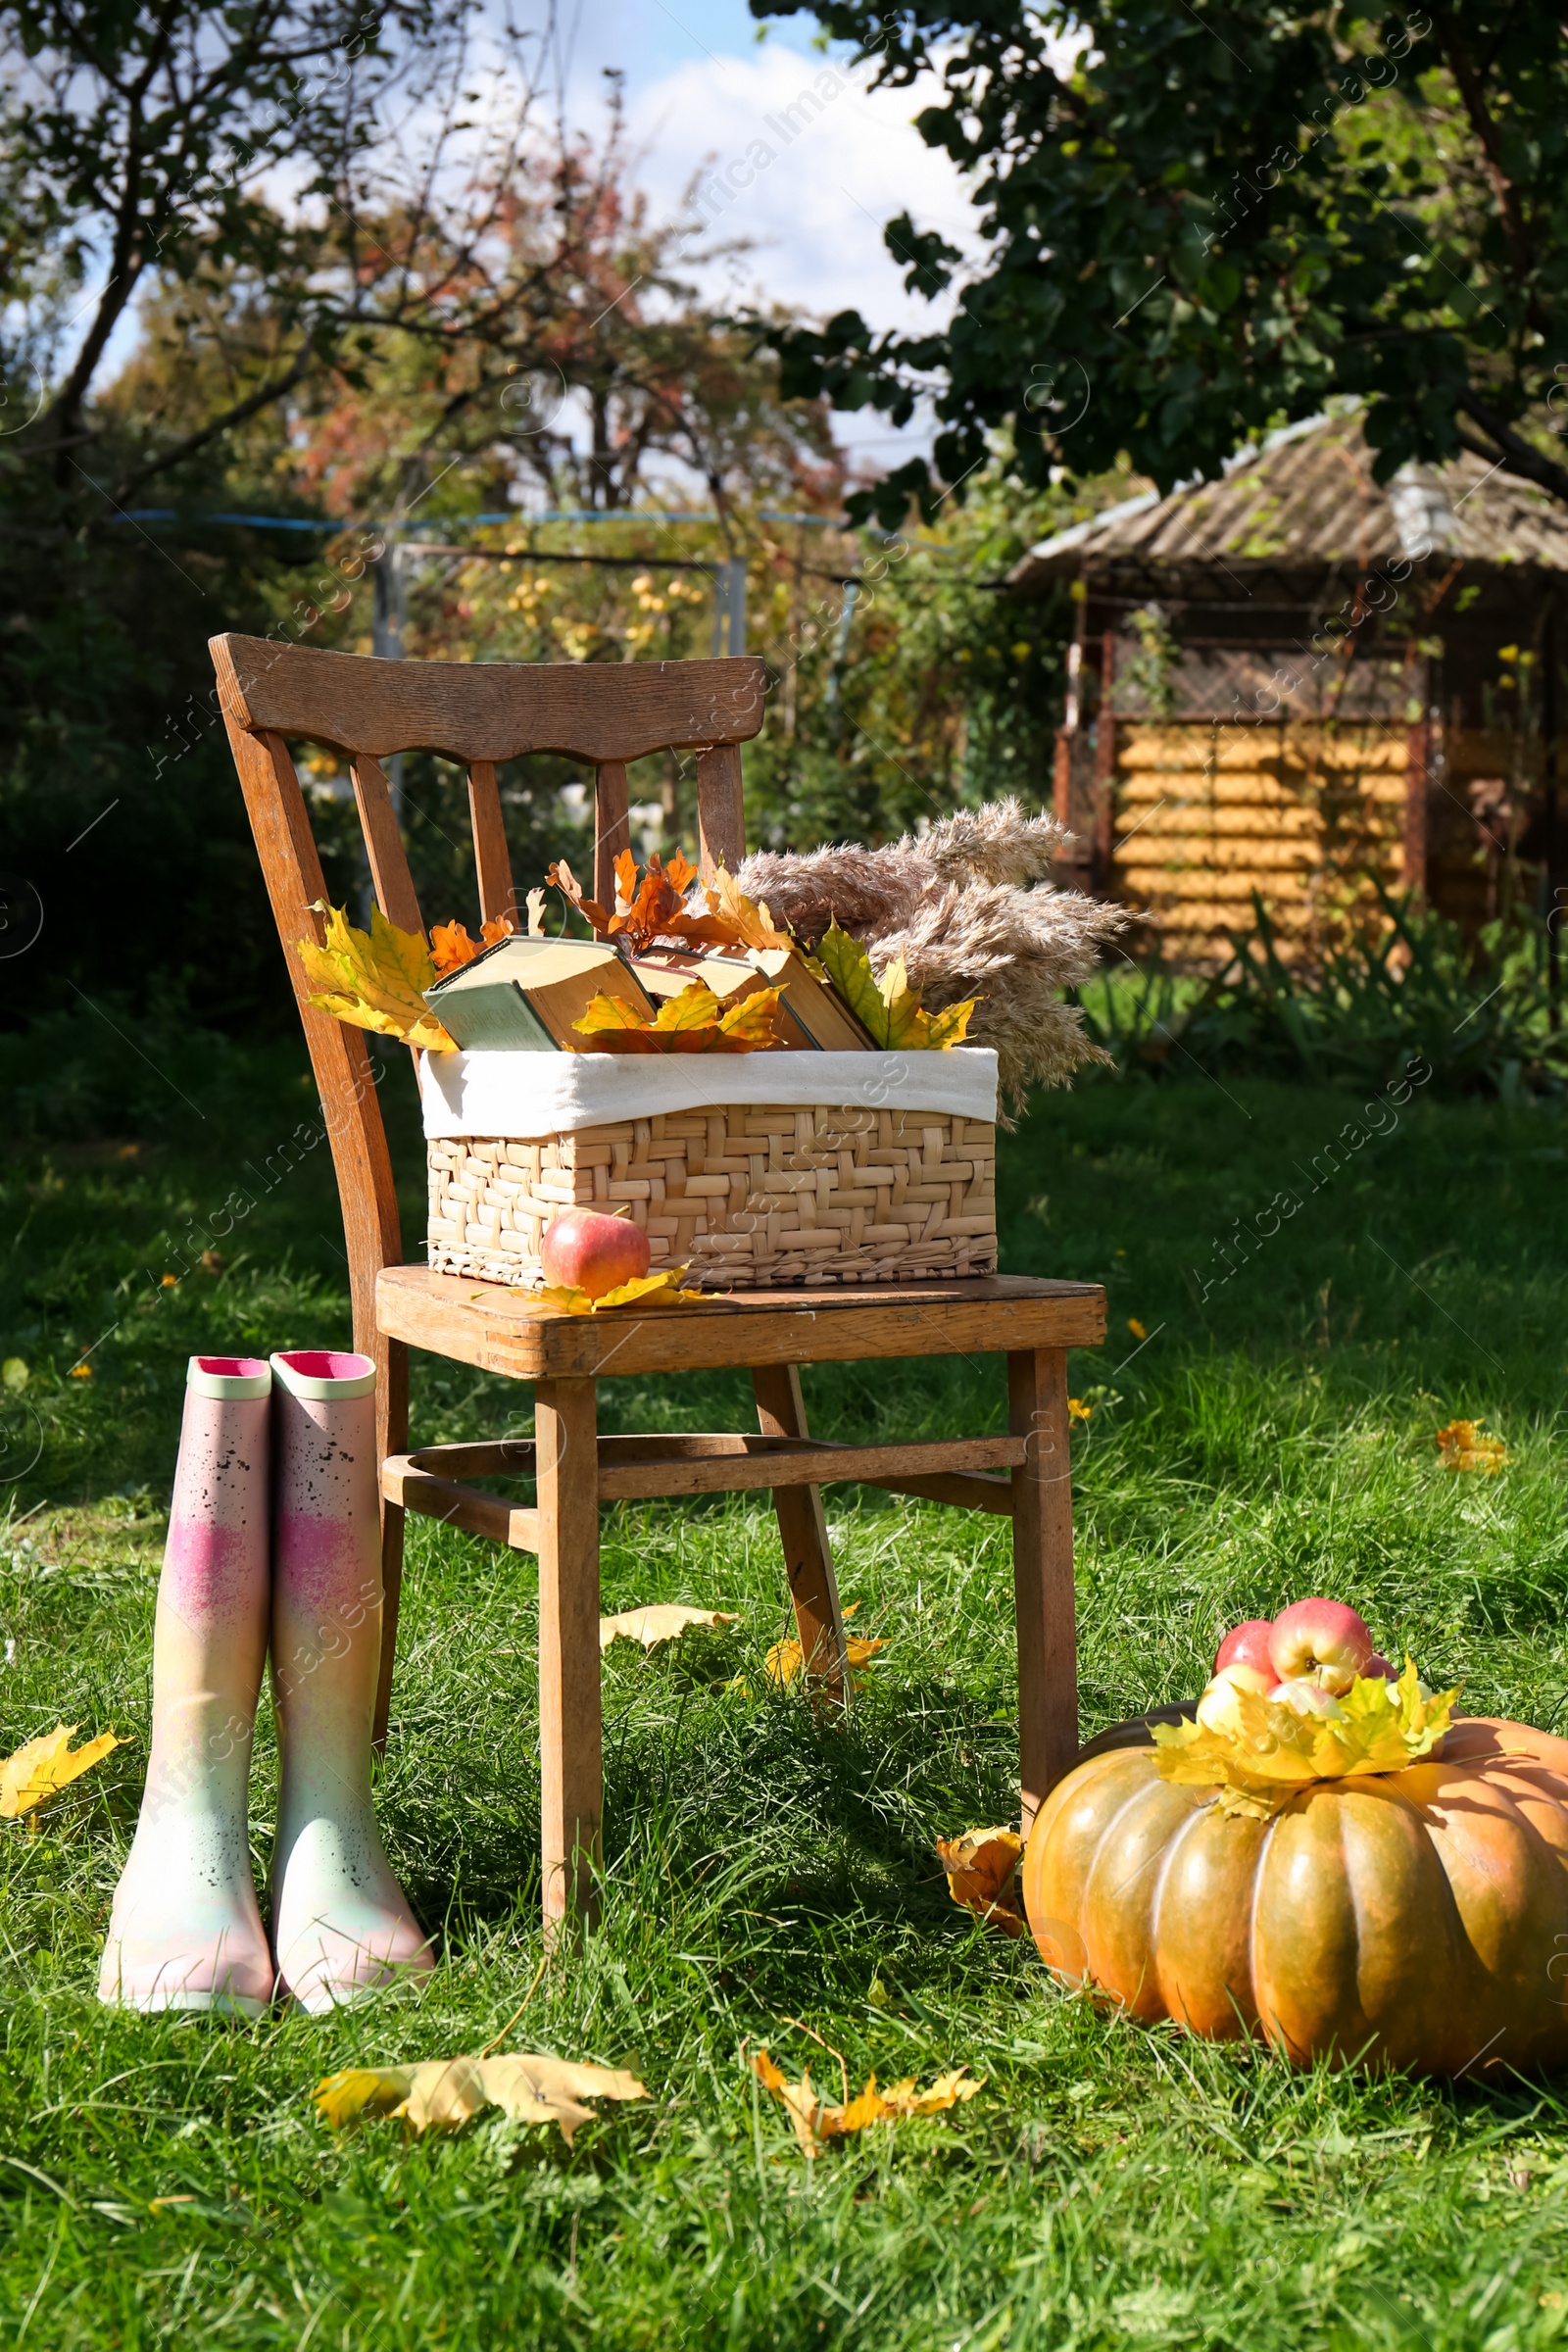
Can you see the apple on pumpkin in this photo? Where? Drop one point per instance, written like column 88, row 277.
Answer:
column 1321, row 1641
column 1217, row 1709
column 584, row 1249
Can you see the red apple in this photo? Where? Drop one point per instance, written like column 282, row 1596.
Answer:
column 1377, row 1663
column 586, row 1250
column 1246, row 1645
column 1322, row 1642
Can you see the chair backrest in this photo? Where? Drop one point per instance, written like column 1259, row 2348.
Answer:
column 478, row 715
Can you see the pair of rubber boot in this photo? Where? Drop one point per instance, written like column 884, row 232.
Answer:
column 273, row 1537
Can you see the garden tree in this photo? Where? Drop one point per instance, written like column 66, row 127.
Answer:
column 1205, row 217
column 576, row 366
column 136, row 139
column 449, row 315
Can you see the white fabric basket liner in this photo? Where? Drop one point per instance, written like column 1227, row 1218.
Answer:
column 520, row 1097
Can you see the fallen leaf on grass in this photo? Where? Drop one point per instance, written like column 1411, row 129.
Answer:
column 1467, row 1446
column 815, row 2122
column 785, row 1659
column 46, row 1765
column 981, row 1867
column 662, row 1621
column 443, row 2094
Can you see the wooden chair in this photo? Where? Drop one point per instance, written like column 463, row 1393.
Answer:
column 479, row 715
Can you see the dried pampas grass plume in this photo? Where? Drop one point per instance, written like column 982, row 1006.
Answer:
column 968, row 907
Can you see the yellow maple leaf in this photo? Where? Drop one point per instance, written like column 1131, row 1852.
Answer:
column 44, row 1766
column 1467, row 1446
column 374, row 980
column 815, row 2122
column 443, row 2094
column 1264, row 1752
column 688, row 1024
column 647, row 1290
column 660, row 1621
column 785, row 1660
column 981, row 1868
column 887, row 1008
column 751, row 923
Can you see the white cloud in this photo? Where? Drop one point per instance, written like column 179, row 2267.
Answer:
column 801, row 162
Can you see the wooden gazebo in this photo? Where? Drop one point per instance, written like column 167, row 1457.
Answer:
column 1296, row 678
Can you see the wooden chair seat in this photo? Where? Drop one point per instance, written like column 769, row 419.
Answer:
column 483, row 715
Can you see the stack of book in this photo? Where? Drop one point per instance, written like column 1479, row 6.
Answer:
column 524, row 995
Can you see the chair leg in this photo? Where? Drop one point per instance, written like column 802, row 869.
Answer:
column 391, row 1437
column 802, row 1529
column 1042, row 1574
column 571, row 1784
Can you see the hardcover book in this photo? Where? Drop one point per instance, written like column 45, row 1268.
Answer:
column 523, row 995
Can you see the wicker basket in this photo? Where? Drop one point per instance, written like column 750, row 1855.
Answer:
column 746, row 1195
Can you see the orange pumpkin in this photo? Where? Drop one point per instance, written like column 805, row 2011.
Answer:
column 1414, row 1919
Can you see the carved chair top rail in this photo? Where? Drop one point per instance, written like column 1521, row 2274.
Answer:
column 597, row 711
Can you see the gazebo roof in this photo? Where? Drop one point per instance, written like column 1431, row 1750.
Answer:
column 1305, row 501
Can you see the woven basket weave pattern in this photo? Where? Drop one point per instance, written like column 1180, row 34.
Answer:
column 745, row 1196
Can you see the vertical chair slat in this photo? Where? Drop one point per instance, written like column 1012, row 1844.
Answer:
column 611, row 827
column 720, row 815
column 498, row 892
column 383, row 843
column 344, row 1078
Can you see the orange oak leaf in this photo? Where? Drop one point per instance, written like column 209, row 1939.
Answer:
column 981, row 1867
column 1468, row 1445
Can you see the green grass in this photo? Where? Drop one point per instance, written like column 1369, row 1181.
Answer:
column 1112, row 2184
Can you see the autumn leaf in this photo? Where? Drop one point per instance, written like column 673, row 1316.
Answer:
column 887, row 1009
column 648, row 909
column 450, row 947
column 565, row 881
column 689, row 1023
column 749, row 1024
column 443, row 2094
column 374, row 980
column 815, row 2122
column 981, row 1867
column 1467, row 1446
column 1264, row 1753
column 784, row 1661
column 661, row 1621
column 749, row 924
column 46, row 1765
column 647, row 1290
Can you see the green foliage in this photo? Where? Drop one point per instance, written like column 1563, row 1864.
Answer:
column 1203, row 222
column 1480, row 1019
column 1112, row 2184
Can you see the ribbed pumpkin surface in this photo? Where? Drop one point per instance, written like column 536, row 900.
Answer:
column 1418, row 1918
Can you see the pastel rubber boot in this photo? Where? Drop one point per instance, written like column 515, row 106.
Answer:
column 341, row 1923
column 184, row 1931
